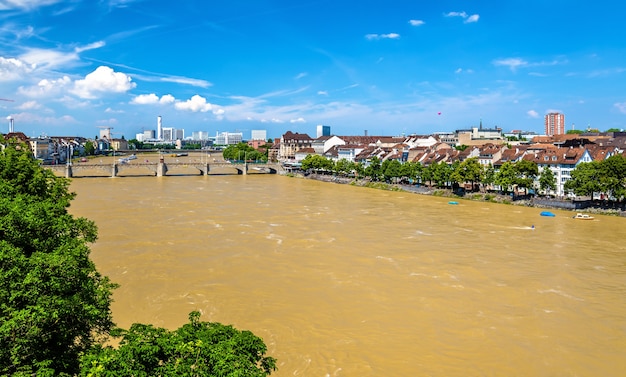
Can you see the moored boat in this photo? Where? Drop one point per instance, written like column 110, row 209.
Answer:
column 583, row 216
column 547, row 214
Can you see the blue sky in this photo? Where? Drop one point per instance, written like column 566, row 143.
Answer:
column 385, row 67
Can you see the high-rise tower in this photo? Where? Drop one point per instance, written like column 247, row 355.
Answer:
column 555, row 124
column 159, row 128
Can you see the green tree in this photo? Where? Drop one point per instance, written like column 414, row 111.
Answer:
column 489, row 177
column 506, row 176
column 547, row 180
column 469, row 170
column 374, row 169
column 344, row 167
column 613, row 176
column 243, row 151
column 411, row 170
column 90, row 148
column 585, row 179
column 54, row 304
column 317, row 163
column 440, row 173
column 195, row 349
column 391, row 170
column 526, row 172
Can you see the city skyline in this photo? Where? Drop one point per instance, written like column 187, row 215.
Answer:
column 68, row 67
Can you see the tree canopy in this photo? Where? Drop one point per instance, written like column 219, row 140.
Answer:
column 54, row 304
column 243, row 151
column 195, row 349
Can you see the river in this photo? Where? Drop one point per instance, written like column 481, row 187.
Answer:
column 349, row 281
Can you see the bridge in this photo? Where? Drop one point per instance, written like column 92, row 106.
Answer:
column 160, row 168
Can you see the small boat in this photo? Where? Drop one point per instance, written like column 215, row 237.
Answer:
column 583, row 216
column 453, row 202
column 547, row 214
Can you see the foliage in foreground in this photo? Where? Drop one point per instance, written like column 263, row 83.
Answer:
column 54, row 304
column 195, row 349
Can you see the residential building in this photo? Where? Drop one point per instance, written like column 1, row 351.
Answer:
column 554, row 124
column 42, row 147
column 290, row 143
column 480, row 136
column 322, row 144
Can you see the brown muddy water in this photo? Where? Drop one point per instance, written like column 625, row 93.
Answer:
column 349, row 281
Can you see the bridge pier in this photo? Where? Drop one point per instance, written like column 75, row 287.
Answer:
column 161, row 168
column 114, row 170
column 68, row 170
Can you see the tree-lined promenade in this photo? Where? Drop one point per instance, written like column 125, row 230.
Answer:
column 606, row 177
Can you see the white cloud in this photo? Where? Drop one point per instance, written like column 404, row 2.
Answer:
column 532, row 114
column 30, row 118
column 25, row 4
column 512, row 63
column 194, row 104
column 91, row 46
column 152, row 99
column 145, row 99
column 298, row 120
column 273, row 120
column 168, row 98
column 29, row 105
column 52, row 59
column 322, row 92
column 456, row 14
column 472, row 18
column 466, row 17
column 416, row 22
column 300, row 75
column 187, row 81
column 102, row 80
column 49, row 58
column 621, row 107
column 46, row 88
column 14, row 69
column 382, row 36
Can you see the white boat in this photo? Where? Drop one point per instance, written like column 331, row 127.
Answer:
column 583, row 216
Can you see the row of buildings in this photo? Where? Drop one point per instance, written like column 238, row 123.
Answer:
column 177, row 135
column 560, row 153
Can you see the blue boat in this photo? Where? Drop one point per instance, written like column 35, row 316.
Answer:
column 453, row 202
column 547, row 214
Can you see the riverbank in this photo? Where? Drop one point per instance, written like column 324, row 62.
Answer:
column 579, row 206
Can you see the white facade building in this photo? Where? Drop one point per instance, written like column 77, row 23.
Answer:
column 258, row 135
column 199, row 135
column 228, row 138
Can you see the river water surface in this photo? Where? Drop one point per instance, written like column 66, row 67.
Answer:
column 348, row 281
